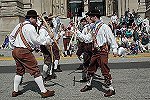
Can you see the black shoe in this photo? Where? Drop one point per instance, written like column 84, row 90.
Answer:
column 48, row 77
column 86, row 88
column 15, row 94
column 65, row 55
column 109, row 93
column 57, row 70
column 83, row 80
column 54, row 76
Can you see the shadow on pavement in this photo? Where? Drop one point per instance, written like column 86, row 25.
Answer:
column 30, row 85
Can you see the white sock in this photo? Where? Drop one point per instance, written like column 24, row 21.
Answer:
column 90, row 82
column 111, row 88
column 51, row 70
column 65, row 52
column 17, row 81
column 70, row 51
column 40, row 83
column 55, row 64
column 45, row 69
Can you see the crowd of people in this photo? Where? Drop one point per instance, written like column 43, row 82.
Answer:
column 90, row 39
column 131, row 32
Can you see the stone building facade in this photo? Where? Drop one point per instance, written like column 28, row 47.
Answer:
column 147, row 3
column 13, row 11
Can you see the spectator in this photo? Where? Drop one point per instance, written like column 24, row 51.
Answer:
column 128, row 32
column 133, row 48
column 114, row 20
column 122, row 50
column 139, row 22
column 135, row 34
column 146, row 25
column 6, row 42
column 145, row 42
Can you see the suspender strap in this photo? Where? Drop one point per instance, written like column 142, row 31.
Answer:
column 95, row 33
column 22, row 37
column 24, row 40
column 98, row 27
column 17, row 32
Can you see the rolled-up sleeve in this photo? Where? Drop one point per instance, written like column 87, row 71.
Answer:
column 111, row 39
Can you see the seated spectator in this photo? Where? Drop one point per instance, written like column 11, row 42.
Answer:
column 146, row 25
column 145, row 42
column 136, row 34
column 122, row 51
column 118, row 40
column 128, row 32
column 6, row 42
column 133, row 49
column 125, row 41
column 123, row 30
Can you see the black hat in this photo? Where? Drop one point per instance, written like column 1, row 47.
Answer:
column 31, row 13
column 87, row 13
column 93, row 12
column 46, row 18
column 83, row 19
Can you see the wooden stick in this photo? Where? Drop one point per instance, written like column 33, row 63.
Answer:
column 70, row 42
column 49, row 30
column 74, row 33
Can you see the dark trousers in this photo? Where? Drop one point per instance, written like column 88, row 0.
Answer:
column 100, row 59
column 25, row 60
column 87, row 54
column 80, row 48
column 66, row 43
column 56, row 51
column 46, row 53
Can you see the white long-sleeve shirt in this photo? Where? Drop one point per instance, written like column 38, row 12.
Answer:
column 105, row 35
column 85, row 35
column 29, row 33
column 45, row 36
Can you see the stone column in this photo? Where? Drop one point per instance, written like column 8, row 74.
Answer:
column 142, row 8
column 47, row 6
column 109, row 7
column 11, row 13
column 120, row 12
column 86, row 8
column 60, row 8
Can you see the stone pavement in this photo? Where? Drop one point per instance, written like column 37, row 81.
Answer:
column 130, row 83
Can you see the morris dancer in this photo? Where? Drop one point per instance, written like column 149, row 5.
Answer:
column 102, row 37
column 23, row 40
column 85, row 46
column 48, row 73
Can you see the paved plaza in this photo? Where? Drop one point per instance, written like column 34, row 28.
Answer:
column 131, row 79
